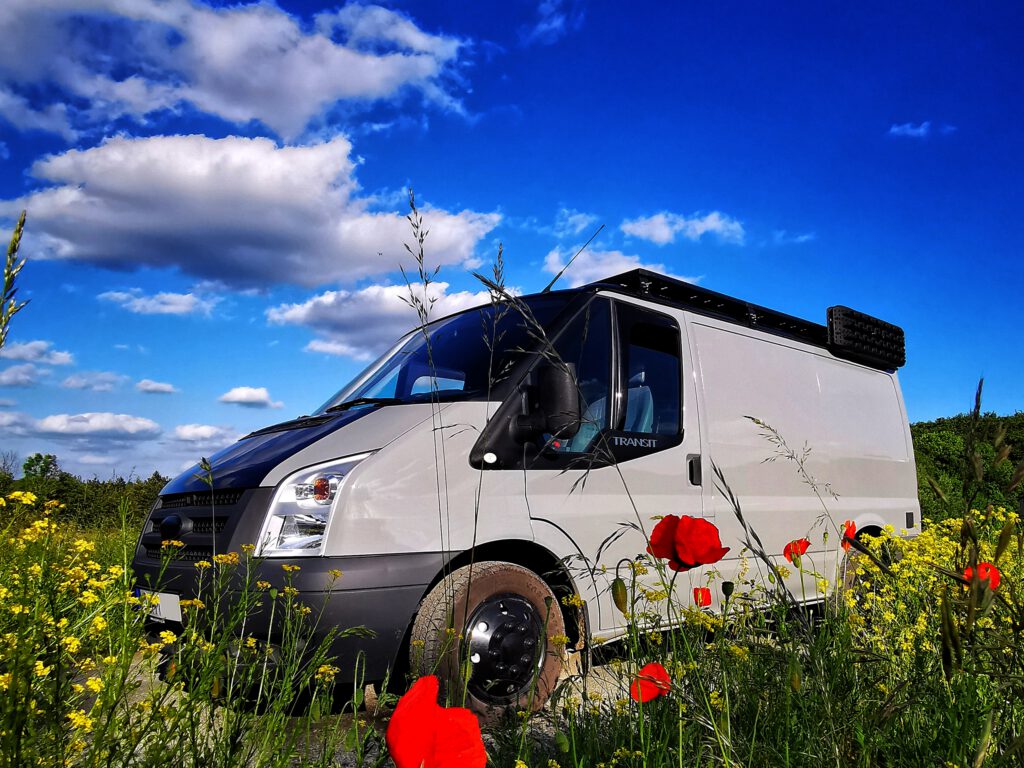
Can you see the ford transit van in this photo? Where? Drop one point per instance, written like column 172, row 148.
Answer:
column 485, row 475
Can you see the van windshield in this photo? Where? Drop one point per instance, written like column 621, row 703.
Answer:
column 468, row 354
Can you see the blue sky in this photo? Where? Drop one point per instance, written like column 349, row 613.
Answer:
column 216, row 194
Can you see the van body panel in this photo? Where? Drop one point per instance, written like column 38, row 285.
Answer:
column 246, row 463
column 367, row 428
column 846, row 421
column 419, row 493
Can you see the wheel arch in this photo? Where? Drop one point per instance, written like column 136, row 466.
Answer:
column 533, row 557
column 527, row 554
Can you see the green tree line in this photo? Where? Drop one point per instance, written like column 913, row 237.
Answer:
column 969, row 460
column 91, row 503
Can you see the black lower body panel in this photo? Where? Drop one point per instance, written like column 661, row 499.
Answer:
column 378, row 593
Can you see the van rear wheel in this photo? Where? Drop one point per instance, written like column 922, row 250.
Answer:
column 491, row 629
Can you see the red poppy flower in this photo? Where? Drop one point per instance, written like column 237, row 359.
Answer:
column 702, row 596
column 795, row 549
column 849, row 532
column 686, row 542
column 423, row 734
column 652, row 681
column 986, row 572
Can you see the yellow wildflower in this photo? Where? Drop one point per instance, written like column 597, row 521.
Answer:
column 574, row 600
column 202, row 565
column 228, row 558
column 325, row 673
column 41, row 669
column 289, row 568
column 94, row 684
column 22, row 497
column 71, row 644
column 80, row 720
column 263, row 585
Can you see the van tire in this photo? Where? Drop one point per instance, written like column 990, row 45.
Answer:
column 485, row 594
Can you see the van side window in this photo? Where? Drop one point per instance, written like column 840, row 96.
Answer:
column 586, row 343
column 649, row 395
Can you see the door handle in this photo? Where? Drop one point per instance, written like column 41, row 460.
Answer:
column 693, row 466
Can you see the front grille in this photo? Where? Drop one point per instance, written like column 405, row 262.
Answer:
column 200, row 499
column 189, row 518
column 190, row 553
column 206, row 525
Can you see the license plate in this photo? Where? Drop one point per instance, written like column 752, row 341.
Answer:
column 168, row 607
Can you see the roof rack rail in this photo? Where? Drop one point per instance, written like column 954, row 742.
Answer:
column 850, row 335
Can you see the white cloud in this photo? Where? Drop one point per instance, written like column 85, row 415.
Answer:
column 36, row 352
column 363, row 323
column 590, row 266
column 207, row 434
column 783, row 237
column 95, row 459
column 662, row 228
column 250, row 397
column 161, row 303
column 111, row 425
column 241, row 63
column 150, row 387
column 243, row 211
column 570, row 222
column 6, row 402
column 912, row 131
column 15, row 423
column 18, row 112
column 26, row 375
column 555, row 19
column 94, row 381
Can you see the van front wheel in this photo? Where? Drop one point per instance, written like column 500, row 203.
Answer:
column 494, row 631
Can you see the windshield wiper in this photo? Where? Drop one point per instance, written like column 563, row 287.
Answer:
column 363, row 401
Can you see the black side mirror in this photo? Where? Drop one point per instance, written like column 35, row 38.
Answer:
column 554, row 406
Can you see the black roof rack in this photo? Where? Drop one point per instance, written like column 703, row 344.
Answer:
column 850, row 335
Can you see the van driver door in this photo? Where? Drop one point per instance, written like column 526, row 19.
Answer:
column 635, row 456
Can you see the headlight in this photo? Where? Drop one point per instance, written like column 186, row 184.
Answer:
column 301, row 511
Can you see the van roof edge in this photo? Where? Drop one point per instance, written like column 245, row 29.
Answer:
column 652, row 286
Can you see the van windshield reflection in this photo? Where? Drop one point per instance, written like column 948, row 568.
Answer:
column 462, row 357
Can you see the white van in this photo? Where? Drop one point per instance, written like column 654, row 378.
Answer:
column 484, row 478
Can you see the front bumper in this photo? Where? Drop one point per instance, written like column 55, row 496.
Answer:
column 379, row 593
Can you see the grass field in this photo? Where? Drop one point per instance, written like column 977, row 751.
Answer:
column 907, row 663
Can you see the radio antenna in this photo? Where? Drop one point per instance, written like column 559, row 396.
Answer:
column 581, row 250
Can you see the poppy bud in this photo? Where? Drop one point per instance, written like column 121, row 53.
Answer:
column 619, row 596
column 727, row 588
